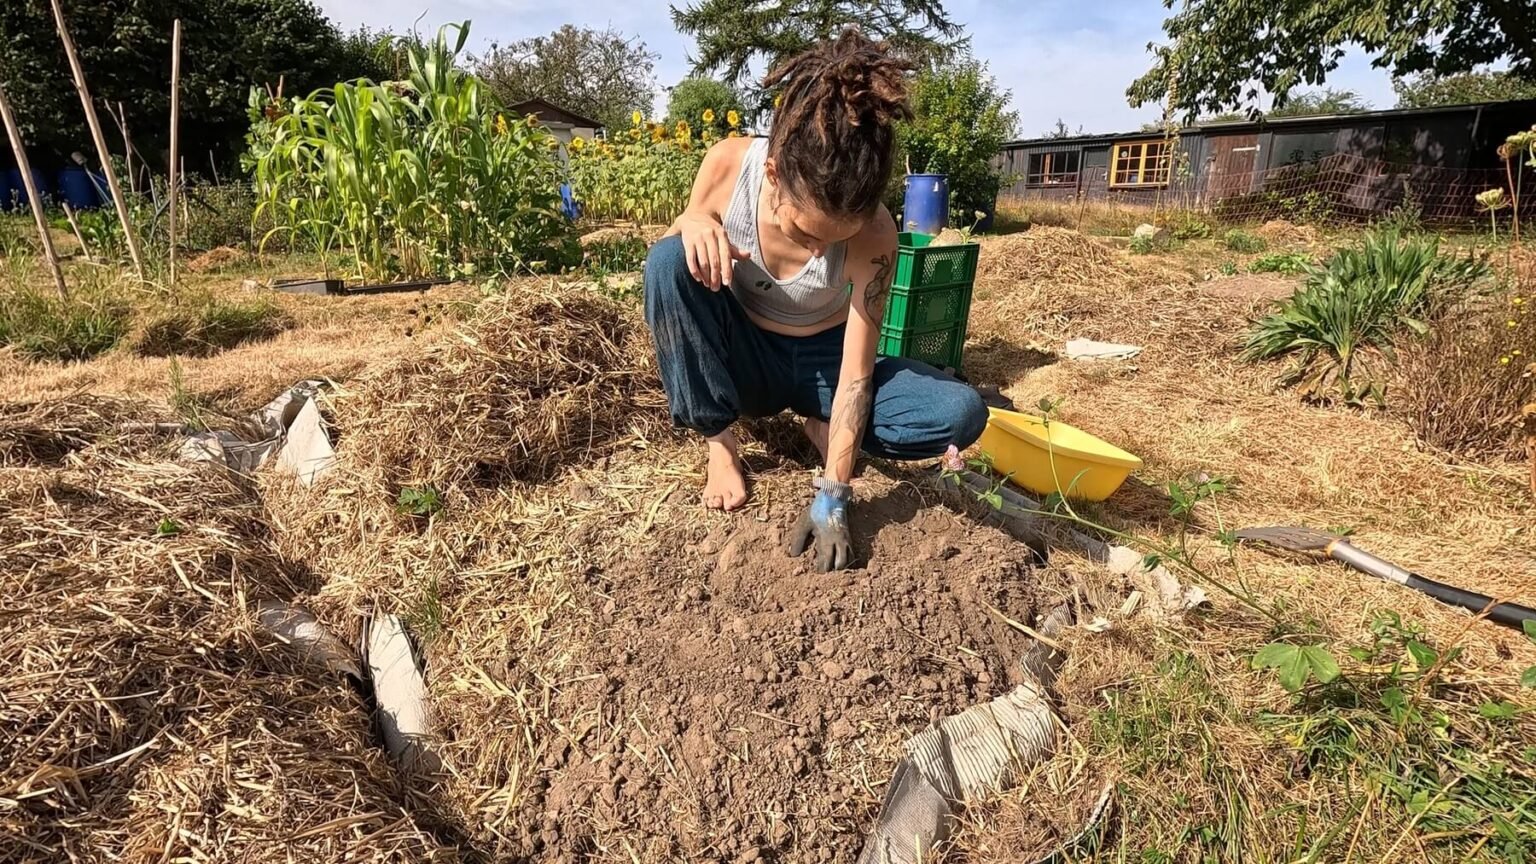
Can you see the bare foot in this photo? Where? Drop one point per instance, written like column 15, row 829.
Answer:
column 816, row 430
column 725, row 487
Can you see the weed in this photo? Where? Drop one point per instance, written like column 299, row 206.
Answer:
column 1242, row 242
column 187, row 405
column 1351, row 310
column 1288, row 263
column 426, row 616
column 1228, row 268
column 612, row 261
column 167, row 527
column 1187, row 226
column 44, row 327
column 419, row 501
column 1142, row 245
column 207, row 325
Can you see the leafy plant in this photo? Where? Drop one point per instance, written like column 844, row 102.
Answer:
column 643, row 174
column 1184, row 225
column 415, row 178
column 1228, row 268
column 167, row 527
column 1295, row 664
column 1352, row 308
column 1288, row 263
column 960, row 121
column 419, row 501
column 1141, row 244
column 1242, row 242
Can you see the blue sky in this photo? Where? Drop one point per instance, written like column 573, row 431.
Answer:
column 1061, row 58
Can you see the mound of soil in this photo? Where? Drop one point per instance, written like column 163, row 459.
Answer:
column 1281, row 232
column 742, row 707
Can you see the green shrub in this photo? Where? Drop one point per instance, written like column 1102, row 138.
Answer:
column 41, row 326
column 1242, row 242
column 1187, row 226
column 1288, row 263
column 1349, row 311
column 1142, row 245
column 208, row 325
column 960, row 121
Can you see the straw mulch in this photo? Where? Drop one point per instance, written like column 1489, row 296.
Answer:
column 1279, row 232
column 142, row 717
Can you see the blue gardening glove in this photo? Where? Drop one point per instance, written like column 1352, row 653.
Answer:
column 826, row 522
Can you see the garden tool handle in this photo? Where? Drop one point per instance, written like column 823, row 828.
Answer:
column 1508, row 614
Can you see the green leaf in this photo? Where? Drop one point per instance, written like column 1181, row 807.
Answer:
column 168, row 528
column 1529, row 626
column 1362, row 654
column 1498, row 710
column 1528, row 677
column 1324, row 667
column 1422, row 654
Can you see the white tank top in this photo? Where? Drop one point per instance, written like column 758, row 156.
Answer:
column 814, row 294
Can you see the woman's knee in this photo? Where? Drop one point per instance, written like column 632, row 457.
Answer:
column 668, row 283
column 967, row 413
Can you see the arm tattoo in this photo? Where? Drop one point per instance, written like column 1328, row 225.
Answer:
column 849, row 414
column 877, row 289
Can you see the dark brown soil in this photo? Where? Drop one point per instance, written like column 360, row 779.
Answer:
column 742, row 707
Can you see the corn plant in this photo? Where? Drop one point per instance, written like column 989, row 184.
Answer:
column 1349, row 311
column 414, row 178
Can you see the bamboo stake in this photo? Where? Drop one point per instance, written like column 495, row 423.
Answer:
column 14, row 133
column 74, row 225
column 175, row 138
column 118, row 201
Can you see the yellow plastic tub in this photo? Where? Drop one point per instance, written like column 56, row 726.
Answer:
column 1023, row 446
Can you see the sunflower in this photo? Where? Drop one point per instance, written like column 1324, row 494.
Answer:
column 636, row 118
column 778, row 100
column 532, row 120
column 709, row 116
column 733, row 118
column 578, row 143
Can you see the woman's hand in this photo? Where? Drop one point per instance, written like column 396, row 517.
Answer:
column 708, row 249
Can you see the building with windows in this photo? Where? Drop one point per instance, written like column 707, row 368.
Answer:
column 1358, row 164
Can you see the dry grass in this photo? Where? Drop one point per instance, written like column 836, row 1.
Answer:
column 539, row 421
column 141, row 712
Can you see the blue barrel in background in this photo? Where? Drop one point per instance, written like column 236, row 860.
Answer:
column 926, row 207
column 17, row 194
column 9, row 178
column 77, row 189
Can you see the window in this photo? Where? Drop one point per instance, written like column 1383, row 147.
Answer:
column 1144, row 163
column 1052, row 169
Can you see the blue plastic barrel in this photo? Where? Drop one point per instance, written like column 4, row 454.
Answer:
column 76, row 188
column 926, row 206
column 17, row 195
column 8, row 180
column 568, row 203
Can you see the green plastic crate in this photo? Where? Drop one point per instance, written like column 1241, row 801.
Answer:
column 940, row 347
column 920, row 266
column 930, row 302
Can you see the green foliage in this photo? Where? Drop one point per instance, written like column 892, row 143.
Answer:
column 41, row 326
column 1353, row 307
column 167, row 527
column 1187, row 226
column 1287, row 263
column 422, row 179
column 1242, row 242
column 601, row 74
column 961, row 120
column 1141, row 244
column 1295, row 664
column 1228, row 268
column 615, row 262
column 693, row 96
column 1315, row 103
column 731, row 36
column 125, row 48
column 1428, row 90
column 1224, row 53
column 642, row 175
column 203, row 326
column 1528, row 677
column 422, row 502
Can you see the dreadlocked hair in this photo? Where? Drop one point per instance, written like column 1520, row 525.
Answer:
column 833, row 140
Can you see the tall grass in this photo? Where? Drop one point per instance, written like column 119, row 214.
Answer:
column 424, row 177
column 39, row 325
column 1348, row 313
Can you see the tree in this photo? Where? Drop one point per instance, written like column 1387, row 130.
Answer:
column 1062, row 130
column 693, row 96
column 1427, row 90
column 960, row 121
column 1222, row 54
column 732, row 34
column 125, row 48
column 602, row 74
column 1319, row 102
